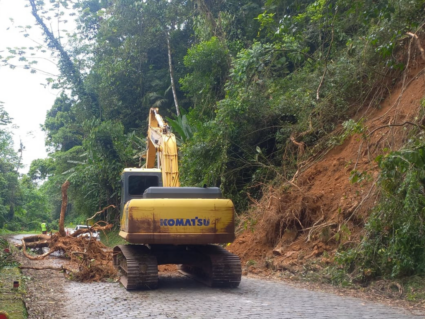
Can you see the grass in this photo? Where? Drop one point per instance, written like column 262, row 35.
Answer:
column 111, row 238
column 411, row 288
column 414, row 288
column 11, row 299
column 10, row 232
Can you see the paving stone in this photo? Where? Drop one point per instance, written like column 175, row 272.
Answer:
column 181, row 297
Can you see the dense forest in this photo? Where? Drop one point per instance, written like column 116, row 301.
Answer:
column 251, row 89
column 22, row 202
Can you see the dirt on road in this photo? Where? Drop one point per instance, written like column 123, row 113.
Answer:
column 50, row 295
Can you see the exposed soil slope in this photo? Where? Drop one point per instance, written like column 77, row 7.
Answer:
column 321, row 209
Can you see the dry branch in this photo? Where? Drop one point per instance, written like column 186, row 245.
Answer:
column 100, row 212
column 418, row 43
column 300, row 145
column 91, row 229
column 395, row 125
column 93, row 259
column 61, row 268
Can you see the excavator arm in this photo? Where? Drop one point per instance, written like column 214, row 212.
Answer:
column 162, row 149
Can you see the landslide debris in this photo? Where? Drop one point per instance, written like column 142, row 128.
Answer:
column 92, row 258
column 327, row 203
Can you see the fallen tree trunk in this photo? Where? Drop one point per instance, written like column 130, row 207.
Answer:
column 34, row 238
column 91, row 229
column 38, row 244
column 24, row 250
column 94, row 260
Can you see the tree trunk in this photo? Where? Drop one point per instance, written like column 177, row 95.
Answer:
column 31, row 239
column 170, row 65
column 72, row 74
column 64, row 190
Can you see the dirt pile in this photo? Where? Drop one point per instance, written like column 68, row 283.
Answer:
column 321, row 208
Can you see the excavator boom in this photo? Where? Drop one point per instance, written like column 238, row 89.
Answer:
column 162, row 148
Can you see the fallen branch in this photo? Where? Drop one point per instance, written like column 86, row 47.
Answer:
column 392, row 125
column 358, row 206
column 100, row 212
column 91, row 229
column 61, row 268
column 418, row 43
column 300, row 145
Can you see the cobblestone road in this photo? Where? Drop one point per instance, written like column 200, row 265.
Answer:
column 181, row 297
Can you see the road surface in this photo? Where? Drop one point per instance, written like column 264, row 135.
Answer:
column 180, row 297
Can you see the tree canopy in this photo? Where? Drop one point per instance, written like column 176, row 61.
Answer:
column 251, row 88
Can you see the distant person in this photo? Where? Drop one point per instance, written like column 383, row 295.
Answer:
column 43, row 228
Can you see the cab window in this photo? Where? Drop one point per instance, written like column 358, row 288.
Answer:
column 138, row 184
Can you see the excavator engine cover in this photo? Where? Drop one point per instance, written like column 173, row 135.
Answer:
column 182, row 192
column 178, row 221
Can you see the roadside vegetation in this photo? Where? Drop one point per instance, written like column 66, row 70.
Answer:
column 11, row 298
column 252, row 89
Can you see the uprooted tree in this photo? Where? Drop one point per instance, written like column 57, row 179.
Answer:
column 93, row 259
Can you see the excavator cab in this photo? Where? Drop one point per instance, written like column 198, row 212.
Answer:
column 135, row 181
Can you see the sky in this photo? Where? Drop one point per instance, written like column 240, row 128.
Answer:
column 24, row 97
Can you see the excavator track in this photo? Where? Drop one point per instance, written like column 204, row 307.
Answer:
column 220, row 268
column 139, row 268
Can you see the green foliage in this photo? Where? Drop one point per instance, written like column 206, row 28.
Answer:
column 10, row 195
column 62, row 124
column 394, row 242
column 182, row 127
column 97, row 165
column 207, row 64
column 250, row 76
column 112, row 238
column 41, row 169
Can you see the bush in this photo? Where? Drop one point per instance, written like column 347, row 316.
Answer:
column 394, row 244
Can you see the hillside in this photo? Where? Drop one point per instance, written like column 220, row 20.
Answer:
column 307, row 114
column 322, row 209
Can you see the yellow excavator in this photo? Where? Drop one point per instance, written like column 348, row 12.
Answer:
column 168, row 224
